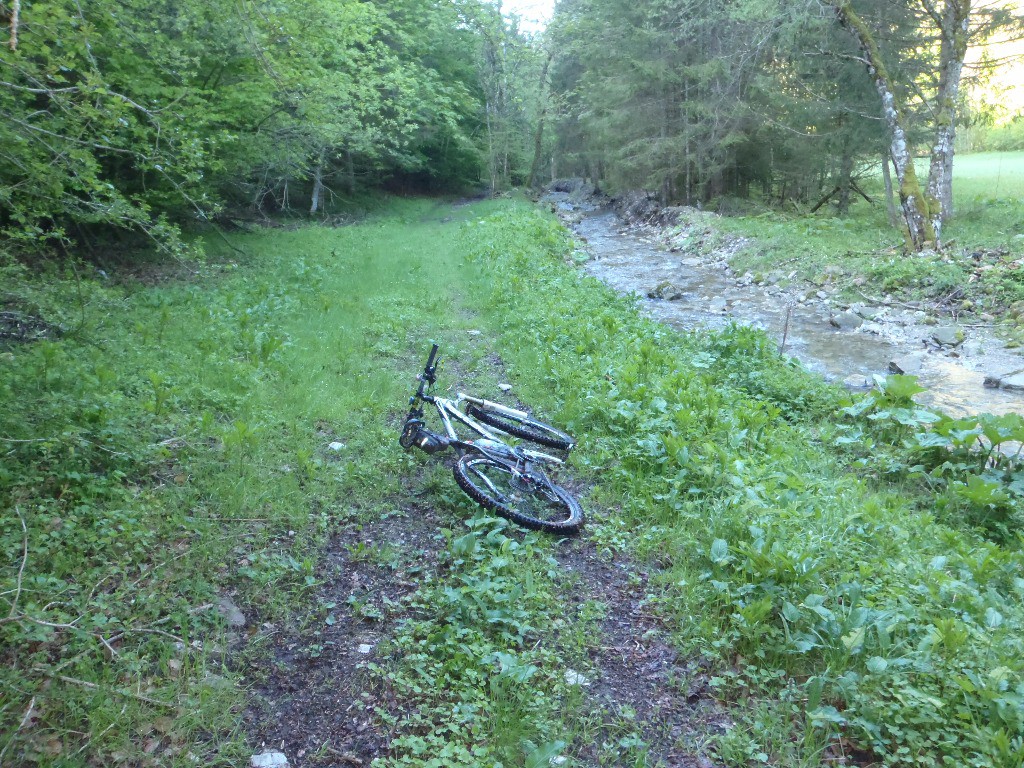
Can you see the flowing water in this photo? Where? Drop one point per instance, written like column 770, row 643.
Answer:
column 711, row 298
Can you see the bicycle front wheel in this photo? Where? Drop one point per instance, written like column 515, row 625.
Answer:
column 527, row 429
column 527, row 499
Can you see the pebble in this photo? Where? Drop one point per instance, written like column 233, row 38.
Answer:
column 505, row 387
column 1014, row 383
column 948, row 336
column 907, row 364
column 269, row 760
column 365, row 648
column 336, row 446
column 857, row 381
column 572, row 677
column 232, row 613
column 846, row 321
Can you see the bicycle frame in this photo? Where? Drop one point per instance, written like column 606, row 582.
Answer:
column 450, row 413
column 449, row 409
column 508, row 479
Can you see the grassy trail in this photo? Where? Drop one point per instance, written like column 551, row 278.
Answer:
column 761, row 578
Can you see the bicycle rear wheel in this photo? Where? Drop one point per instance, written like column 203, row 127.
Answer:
column 527, row 429
column 527, row 499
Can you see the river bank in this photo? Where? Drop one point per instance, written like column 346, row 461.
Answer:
column 682, row 266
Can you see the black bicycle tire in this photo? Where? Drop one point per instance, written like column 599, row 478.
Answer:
column 563, row 498
column 526, row 429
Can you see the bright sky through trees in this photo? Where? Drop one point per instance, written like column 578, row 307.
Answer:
column 534, row 14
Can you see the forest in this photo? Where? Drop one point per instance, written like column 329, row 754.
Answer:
column 229, row 233
column 147, row 117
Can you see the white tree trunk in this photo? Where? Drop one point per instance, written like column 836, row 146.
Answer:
column 318, row 183
column 918, row 226
column 954, row 26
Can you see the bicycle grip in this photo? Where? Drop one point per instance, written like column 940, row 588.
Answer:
column 430, row 358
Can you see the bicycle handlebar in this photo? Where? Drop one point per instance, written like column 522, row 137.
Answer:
column 429, row 370
column 427, row 377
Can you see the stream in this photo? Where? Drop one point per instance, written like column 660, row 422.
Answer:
column 706, row 294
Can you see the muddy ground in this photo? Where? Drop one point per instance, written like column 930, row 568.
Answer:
column 313, row 700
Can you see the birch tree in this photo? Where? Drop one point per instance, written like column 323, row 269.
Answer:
column 919, row 230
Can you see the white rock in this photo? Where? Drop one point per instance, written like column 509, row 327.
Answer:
column 572, row 677
column 233, row 616
column 474, row 333
column 336, row 446
column 269, row 760
column 857, row 381
column 505, row 387
column 365, row 648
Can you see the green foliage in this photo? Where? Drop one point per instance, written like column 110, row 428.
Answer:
column 483, row 689
column 925, row 276
column 979, row 272
column 961, row 460
column 832, row 594
column 170, row 448
column 126, row 115
column 845, row 584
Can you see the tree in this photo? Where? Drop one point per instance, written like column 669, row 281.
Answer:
column 144, row 115
column 944, row 29
column 919, row 230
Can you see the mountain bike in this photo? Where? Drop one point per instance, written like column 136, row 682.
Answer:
column 508, row 479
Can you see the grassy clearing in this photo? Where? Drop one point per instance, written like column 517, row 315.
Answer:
column 850, row 587
column 174, row 449
column 980, row 270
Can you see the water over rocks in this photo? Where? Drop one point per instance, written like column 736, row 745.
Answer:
column 679, row 262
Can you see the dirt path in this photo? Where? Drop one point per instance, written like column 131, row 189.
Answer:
column 641, row 676
column 314, row 700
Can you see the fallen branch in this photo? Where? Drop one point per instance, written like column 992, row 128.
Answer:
column 95, row 687
column 21, row 726
column 24, row 559
column 915, row 307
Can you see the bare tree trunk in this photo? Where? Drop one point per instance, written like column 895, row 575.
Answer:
column 845, row 180
column 918, row 230
column 954, row 25
column 15, row 13
column 890, row 201
column 350, row 171
column 542, row 113
column 318, row 182
column 491, row 160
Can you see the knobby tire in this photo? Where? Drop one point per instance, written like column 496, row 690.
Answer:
column 532, row 503
column 526, row 429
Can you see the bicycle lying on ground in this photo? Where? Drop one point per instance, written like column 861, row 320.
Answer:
column 507, row 479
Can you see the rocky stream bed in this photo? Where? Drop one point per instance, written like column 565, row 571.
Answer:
column 965, row 367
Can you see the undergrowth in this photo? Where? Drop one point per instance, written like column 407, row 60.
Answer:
column 858, row 591
column 978, row 272
column 850, row 570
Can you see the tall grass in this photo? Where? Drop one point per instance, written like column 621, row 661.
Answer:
column 172, row 448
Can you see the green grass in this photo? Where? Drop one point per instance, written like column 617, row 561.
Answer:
column 818, row 577
column 849, row 577
column 174, row 449
column 989, row 218
column 993, row 175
